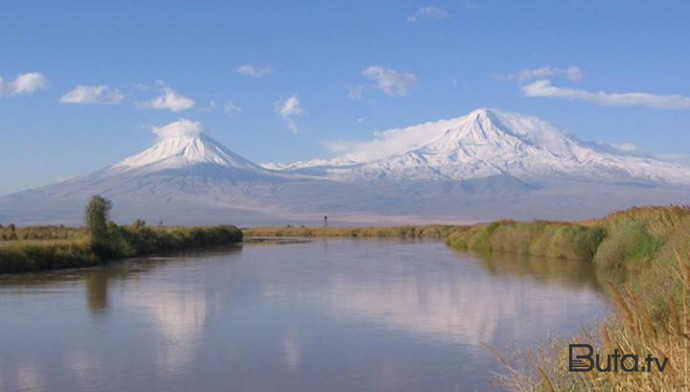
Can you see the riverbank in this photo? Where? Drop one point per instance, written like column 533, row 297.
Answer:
column 648, row 249
column 645, row 249
column 422, row 231
column 27, row 254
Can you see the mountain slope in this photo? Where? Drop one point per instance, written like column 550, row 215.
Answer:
column 186, row 176
column 487, row 143
column 183, row 145
column 482, row 166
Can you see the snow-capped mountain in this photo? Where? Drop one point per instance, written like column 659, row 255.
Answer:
column 183, row 145
column 186, row 176
column 485, row 165
column 488, row 143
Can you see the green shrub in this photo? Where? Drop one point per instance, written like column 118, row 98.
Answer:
column 539, row 238
column 628, row 240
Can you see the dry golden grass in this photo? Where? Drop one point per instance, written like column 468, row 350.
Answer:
column 641, row 247
column 633, row 328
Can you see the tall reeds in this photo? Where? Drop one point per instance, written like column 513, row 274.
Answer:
column 650, row 308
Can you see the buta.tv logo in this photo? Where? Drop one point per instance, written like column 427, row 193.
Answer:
column 581, row 358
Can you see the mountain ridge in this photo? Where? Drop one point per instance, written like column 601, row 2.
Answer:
column 482, row 166
column 488, row 142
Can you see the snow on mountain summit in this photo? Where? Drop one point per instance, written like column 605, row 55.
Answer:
column 482, row 166
column 183, row 144
column 486, row 143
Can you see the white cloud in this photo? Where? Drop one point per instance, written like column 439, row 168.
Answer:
column 169, row 99
column 181, row 127
column 572, row 73
column 544, row 88
column 356, row 93
column 682, row 158
column 255, row 71
column 392, row 141
column 92, row 95
column 340, row 146
column 428, row 13
column 231, row 109
column 27, row 83
column 391, row 82
column 626, row 147
column 289, row 108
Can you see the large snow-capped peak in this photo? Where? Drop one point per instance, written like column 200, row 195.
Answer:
column 484, row 143
column 184, row 144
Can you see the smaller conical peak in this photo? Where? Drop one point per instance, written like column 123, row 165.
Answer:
column 183, row 143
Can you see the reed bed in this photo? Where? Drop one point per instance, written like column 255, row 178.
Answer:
column 648, row 250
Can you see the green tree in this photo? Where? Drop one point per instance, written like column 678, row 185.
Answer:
column 13, row 233
column 96, row 218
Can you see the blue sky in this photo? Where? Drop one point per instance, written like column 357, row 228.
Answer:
column 279, row 81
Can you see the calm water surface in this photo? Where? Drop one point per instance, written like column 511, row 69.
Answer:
column 330, row 315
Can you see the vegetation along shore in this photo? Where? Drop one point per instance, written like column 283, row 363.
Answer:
column 646, row 249
column 50, row 248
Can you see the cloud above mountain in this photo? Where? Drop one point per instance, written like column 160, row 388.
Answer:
column 289, row 108
column 168, row 99
column 179, row 128
column 391, row 141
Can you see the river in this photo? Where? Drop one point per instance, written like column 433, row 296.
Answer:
column 325, row 315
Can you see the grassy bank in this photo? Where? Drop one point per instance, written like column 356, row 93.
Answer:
column 648, row 248
column 426, row 231
column 41, row 233
column 123, row 241
column 545, row 239
column 42, row 248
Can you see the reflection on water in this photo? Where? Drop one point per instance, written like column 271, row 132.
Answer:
column 566, row 272
column 327, row 315
column 97, row 290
